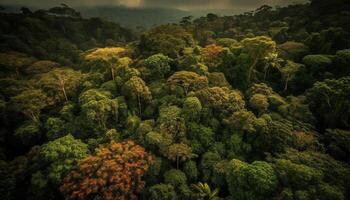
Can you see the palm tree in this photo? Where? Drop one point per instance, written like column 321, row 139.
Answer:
column 272, row 61
column 204, row 192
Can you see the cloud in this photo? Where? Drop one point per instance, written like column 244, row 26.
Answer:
column 74, row 3
column 215, row 4
column 182, row 4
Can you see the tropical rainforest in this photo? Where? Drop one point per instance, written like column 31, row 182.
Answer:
column 254, row 106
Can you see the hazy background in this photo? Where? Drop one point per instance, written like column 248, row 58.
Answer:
column 147, row 13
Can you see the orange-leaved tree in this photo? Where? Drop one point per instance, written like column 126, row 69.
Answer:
column 114, row 172
column 211, row 55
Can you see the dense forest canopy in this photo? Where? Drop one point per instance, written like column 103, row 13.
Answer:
column 252, row 106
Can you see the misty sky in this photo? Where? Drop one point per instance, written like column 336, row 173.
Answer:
column 179, row 4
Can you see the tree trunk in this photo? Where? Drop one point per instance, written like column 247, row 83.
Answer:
column 266, row 73
column 17, row 72
column 112, row 72
column 61, row 82
column 286, row 84
column 34, row 118
column 251, row 68
column 139, row 101
column 64, row 93
column 186, row 90
column 116, row 116
column 177, row 162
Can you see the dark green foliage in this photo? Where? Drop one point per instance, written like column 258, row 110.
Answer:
column 58, row 157
column 28, row 133
column 338, row 143
column 191, row 171
column 162, row 192
column 201, row 134
column 297, row 176
column 175, row 177
column 251, row 181
column 56, row 37
column 158, row 65
column 7, row 182
column 170, row 40
column 191, row 109
column 253, row 106
column 329, row 101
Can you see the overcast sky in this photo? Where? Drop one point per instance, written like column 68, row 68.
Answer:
column 180, row 4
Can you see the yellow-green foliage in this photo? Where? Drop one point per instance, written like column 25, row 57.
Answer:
column 104, row 54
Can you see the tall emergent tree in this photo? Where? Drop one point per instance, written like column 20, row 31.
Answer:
column 104, row 59
column 257, row 48
column 60, row 83
column 136, row 89
column 30, row 103
column 189, row 81
column 289, row 71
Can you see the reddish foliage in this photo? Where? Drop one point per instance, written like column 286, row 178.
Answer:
column 115, row 172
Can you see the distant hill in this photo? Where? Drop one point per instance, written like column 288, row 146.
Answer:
column 133, row 17
column 146, row 17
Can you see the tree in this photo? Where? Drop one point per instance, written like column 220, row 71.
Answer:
column 136, row 89
column 338, row 143
column 55, row 128
column 218, row 79
column 124, row 72
column 29, row 133
column 221, row 98
column 114, row 172
column 201, row 137
column 297, row 176
column 259, row 102
column 204, row 192
column 56, row 159
column 30, row 102
column 186, row 21
column 7, row 181
column 211, row 55
column 207, row 163
column 272, row 61
column 177, row 152
column 61, row 82
column 191, row 170
column 171, row 122
column 226, row 42
column 98, row 106
column 103, row 59
column 242, row 121
column 26, row 11
column 289, row 71
column 158, row 64
column 317, row 64
column 260, row 88
column 251, row 181
column 15, row 62
column 162, row 192
column 335, row 172
column 170, row 40
column 257, row 48
column 189, row 81
column 175, row 178
column 329, row 102
column 41, row 66
column 191, row 108
column 292, row 50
